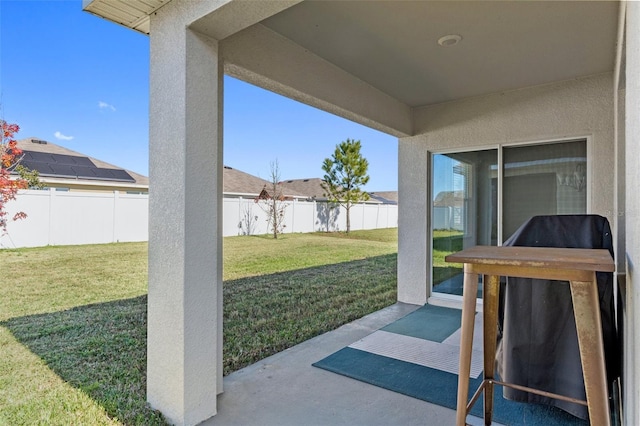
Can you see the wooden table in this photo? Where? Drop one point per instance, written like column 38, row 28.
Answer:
column 578, row 266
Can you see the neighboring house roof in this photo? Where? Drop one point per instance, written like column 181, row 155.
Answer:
column 385, row 197
column 310, row 188
column 236, row 182
column 57, row 164
column 449, row 199
column 241, row 183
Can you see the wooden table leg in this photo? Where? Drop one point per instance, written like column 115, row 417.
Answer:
column 490, row 291
column 588, row 324
column 469, row 294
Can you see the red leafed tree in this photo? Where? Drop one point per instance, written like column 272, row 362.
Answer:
column 10, row 156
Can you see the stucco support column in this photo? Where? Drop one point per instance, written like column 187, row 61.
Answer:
column 184, row 365
column 631, row 368
column 413, row 215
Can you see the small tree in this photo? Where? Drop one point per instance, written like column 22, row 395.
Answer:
column 10, row 155
column 345, row 173
column 31, row 177
column 272, row 201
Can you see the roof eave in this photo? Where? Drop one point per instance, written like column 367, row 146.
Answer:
column 133, row 14
column 87, row 182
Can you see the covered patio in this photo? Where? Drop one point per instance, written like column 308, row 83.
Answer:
column 447, row 78
column 285, row 389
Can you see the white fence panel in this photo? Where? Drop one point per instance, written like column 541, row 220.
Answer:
column 66, row 218
column 69, row 218
column 34, row 230
column 253, row 218
column 304, row 216
column 232, row 223
column 131, row 221
column 370, row 216
column 289, row 220
column 392, row 216
column 327, row 219
column 383, row 215
column 299, row 216
column 81, row 218
column 357, row 216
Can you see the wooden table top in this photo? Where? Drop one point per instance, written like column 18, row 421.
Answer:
column 538, row 257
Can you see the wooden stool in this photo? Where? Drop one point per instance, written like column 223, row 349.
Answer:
column 578, row 266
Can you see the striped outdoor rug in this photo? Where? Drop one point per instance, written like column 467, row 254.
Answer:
column 418, row 356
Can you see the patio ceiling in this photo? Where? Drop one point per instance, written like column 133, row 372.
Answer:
column 393, row 46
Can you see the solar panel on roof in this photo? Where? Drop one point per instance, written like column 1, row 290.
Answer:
column 37, row 156
column 72, row 160
column 71, row 166
column 42, row 168
column 113, row 174
column 81, row 171
column 63, row 170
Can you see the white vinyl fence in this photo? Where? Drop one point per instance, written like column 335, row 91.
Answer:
column 243, row 216
column 69, row 218
column 65, row 218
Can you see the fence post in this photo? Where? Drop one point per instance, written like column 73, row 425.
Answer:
column 52, row 193
column 240, row 202
column 116, row 198
column 314, row 214
column 293, row 215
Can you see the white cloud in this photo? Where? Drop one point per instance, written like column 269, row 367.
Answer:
column 104, row 105
column 62, row 137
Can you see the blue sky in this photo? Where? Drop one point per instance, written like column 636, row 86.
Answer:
column 77, row 80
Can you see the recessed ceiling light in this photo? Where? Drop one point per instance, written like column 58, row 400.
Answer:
column 449, row 40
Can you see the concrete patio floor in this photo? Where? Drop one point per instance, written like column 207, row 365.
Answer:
column 285, row 389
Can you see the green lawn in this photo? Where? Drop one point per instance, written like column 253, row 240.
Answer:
column 73, row 319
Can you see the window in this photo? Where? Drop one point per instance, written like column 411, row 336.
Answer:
column 482, row 197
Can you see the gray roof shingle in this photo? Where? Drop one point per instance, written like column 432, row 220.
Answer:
column 310, row 188
column 241, row 183
column 237, row 182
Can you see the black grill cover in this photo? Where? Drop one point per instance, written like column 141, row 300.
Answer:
column 539, row 344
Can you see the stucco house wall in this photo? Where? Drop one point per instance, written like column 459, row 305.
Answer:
column 577, row 108
column 631, row 368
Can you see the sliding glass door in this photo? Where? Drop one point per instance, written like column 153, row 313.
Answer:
column 464, row 210
column 482, row 197
column 542, row 180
